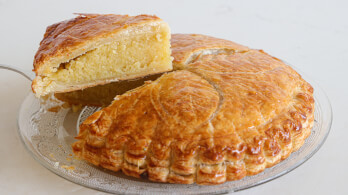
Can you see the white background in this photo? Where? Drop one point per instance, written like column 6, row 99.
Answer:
column 312, row 35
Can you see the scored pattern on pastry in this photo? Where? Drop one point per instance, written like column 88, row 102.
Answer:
column 225, row 113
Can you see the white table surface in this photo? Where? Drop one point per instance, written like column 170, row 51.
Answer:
column 312, row 35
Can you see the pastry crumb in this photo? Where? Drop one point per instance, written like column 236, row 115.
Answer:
column 68, row 167
column 56, row 164
column 76, row 158
column 52, row 156
column 54, row 109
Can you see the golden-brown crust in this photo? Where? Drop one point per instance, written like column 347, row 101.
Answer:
column 187, row 47
column 226, row 116
column 63, row 38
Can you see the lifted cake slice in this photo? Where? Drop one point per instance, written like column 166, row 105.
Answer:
column 94, row 49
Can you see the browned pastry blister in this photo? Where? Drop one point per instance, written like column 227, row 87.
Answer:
column 225, row 113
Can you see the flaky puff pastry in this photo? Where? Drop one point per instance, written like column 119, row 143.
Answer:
column 96, row 49
column 227, row 112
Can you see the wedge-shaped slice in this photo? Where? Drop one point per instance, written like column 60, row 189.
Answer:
column 94, row 49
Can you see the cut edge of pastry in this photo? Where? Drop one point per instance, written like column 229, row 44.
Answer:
column 102, row 95
column 153, row 29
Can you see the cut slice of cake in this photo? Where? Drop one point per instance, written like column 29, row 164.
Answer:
column 94, row 49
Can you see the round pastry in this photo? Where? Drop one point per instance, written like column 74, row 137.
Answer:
column 224, row 113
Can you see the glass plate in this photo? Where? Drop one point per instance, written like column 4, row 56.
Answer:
column 48, row 136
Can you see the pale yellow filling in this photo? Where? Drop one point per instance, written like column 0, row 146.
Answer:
column 135, row 53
